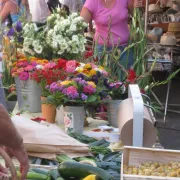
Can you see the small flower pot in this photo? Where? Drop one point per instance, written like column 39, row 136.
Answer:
column 48, row 111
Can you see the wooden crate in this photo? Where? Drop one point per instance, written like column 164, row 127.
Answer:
column 137, row 156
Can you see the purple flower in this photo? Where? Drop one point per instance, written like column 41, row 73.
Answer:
column 20, row 39
column 95, row 79
column 11, row 32
column 53, row 87
column 80, row 81
column 47, row 87
column 72, row 92
column 24, row 76
column 19, row 26
column 64, row 91
column 83, row 97
column 80, row 76
column 103, row 94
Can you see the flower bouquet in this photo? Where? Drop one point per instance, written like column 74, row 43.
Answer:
column 61, row 37
column 48, row 73
column 28, row 91
column 83, row 85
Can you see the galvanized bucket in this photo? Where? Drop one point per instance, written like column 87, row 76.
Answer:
column 28, row 95
column 2, row 95
column 74, row 117
column 112, row 112
column 11, row 105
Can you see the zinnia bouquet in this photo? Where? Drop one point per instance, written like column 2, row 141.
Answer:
column 49, row 73
column 24, row 67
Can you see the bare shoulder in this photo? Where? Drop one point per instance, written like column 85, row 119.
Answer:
column 11, row 7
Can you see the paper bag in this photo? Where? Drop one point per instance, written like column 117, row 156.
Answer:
column 39, row 138
column 125, row 121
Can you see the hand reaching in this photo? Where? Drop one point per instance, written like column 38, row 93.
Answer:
column 21, row 155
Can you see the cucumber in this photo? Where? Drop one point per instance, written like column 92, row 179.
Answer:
column 40, row 171
column 33, row 175
column 54, row 174
column 98, row 143
column 77, row 170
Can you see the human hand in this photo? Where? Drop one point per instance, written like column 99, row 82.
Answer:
column 21, row 155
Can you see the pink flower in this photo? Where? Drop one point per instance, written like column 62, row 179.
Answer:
column 20, row 70
column 72, row 92
column 29, row 68
column 22, row 64
column 89, row 89
column 49, row 65
column 71, row 66
column 23, row 76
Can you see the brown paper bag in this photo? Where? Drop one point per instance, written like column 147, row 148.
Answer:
column 39, row 138
column 125, row 120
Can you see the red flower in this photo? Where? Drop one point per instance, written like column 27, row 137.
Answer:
column 88, row 54
column 131, row 76
column 61, row 64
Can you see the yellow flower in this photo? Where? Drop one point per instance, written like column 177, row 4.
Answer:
column 14, row 64
column 92, row 84
column 100, row 67
column 92, row 72
column 87, row 66
column 64, row 83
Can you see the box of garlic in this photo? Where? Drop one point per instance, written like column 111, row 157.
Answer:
column 150, row 164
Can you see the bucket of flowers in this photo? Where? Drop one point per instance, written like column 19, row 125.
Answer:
column 28, row 91
column 83, row 86
column 45, row 75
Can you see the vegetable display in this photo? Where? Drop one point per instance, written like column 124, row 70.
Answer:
column 171, row 169
column 77, row 170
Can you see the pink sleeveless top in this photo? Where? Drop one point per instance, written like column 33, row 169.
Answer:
column 117, row 17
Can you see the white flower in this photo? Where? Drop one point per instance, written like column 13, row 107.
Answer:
column 38, row 49
column 79, row 69
column 35, row 43
column 39, row 66
column 60, row 52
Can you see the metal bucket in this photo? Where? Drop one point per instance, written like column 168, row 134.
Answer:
column 2, row 95
column 11, row 105
column 112, row 112
column 28, row 95
column 74, row 117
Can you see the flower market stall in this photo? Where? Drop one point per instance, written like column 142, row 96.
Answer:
column 46, row 67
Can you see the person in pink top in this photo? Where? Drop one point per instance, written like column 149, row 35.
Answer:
column 111, row 20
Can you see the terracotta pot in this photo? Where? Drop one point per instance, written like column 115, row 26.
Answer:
column 48, row 111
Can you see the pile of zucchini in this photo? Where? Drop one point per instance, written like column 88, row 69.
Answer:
column 68, row 170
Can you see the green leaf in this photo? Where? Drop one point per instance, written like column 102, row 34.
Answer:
column 92, row 98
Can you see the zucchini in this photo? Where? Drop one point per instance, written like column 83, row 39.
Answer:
column 33, row 175
column 98, row 143
column 40, row 171
column 77, row 170
column 54, row 174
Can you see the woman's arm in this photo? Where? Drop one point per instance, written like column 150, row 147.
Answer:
column 86, row 14
column 131, row 7
column 9, row 8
